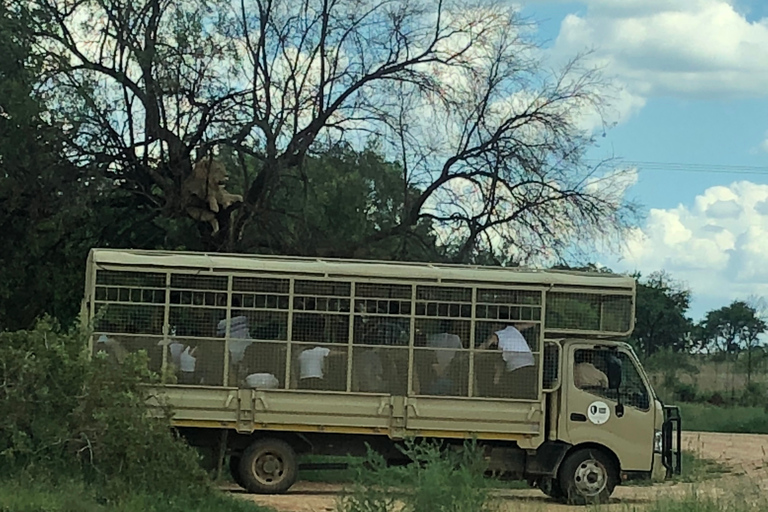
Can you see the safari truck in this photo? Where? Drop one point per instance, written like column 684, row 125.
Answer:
column 264, row 359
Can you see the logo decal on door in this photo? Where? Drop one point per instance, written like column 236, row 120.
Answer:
column 598, row 412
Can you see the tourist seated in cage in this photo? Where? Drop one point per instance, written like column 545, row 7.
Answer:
column 514, row 373
column 182, row 360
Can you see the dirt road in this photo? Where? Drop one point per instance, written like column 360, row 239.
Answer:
column 744, row 455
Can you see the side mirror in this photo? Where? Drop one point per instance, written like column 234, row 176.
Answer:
column 614, row 372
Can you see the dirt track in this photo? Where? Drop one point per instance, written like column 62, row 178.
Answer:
column 745, row 455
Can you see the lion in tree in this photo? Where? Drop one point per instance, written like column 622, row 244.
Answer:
column 203, row 192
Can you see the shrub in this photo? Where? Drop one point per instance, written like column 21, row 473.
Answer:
column 754, row 395
column 685, row 392
column 438, row 479
column 60, row 411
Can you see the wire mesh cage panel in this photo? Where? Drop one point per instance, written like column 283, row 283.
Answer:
column 262, row 366
column 260, row 293
column 506, row 375
column 382, row 330
column 198, row 282
column 589, row 312
column 141, row 280
column 195, row 361
column 128, row 318
column 443, row 302
column 200, row 322
column 380, row 369
column 441, row 372
column 321, row 367
column 320, row 328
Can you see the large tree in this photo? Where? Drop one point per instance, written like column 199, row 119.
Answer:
column 661, row 321
column 43, row 196
column 486, row 134
column 733, row 329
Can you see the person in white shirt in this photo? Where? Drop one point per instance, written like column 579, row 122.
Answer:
column 187, row 366
column 516, row 354
column 313, row 365
column 239, row 336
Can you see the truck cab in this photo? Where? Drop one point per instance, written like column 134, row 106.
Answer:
column 606, row 404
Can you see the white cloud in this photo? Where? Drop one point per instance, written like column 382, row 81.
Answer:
column 718, row 244
column 673, row 47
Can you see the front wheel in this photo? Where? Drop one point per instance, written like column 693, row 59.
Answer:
column 268, row 466
column 587, row 476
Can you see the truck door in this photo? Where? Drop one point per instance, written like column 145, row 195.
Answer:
column 597, row 412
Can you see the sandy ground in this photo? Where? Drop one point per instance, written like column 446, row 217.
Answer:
column 745, row 455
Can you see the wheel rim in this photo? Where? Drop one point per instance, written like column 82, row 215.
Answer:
column 591, row 478
column 268, row 468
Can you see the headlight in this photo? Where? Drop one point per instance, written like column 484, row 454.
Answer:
column 658, row 442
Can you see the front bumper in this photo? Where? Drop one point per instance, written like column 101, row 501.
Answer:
column 672, row 441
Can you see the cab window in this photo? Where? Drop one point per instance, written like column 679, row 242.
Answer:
column 591, row 374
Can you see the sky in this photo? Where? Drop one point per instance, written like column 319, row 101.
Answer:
column 692, row 116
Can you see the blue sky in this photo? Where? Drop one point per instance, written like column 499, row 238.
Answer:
column 695, row 77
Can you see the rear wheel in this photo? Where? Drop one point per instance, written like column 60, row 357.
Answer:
column 268, row 466
column 587, row 476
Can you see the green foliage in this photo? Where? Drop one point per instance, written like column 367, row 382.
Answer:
column 438, row 479
column 334, row 205
column 661, row 321
column 732, row 328
column 25, row 495
column 62, row 414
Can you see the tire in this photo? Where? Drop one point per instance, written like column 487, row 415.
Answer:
column 234, row 470
column 587, row 476
column 268, row 466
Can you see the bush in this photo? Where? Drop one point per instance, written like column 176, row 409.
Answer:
column 685, row 392
column 63, row 413
column 438, row 479
column 754, row 395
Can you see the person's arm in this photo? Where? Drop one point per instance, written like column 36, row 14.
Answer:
column 492, row 340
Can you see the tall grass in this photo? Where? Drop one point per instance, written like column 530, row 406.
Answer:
column 739, row 498
column 711, row 418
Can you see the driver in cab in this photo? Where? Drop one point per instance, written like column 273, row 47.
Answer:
column 585, row 373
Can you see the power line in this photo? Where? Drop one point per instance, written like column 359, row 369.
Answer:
column 695, row 168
